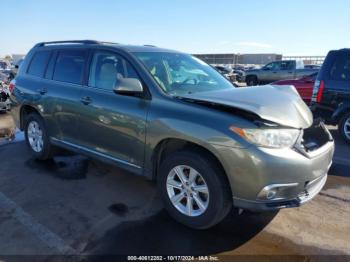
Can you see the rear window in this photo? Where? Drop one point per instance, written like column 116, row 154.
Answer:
column 70, row 66
column 341, row 68
column 38, row 64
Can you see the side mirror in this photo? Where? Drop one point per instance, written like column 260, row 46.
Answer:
column 128, row 86
column 16, row 66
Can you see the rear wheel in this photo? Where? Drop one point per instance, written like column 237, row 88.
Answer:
column 37, row 138
column 252, row 81
column 194, row 189
column 344, row 127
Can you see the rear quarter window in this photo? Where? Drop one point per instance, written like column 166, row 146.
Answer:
column 340, row 69
column 38, row 63
column 70, row 66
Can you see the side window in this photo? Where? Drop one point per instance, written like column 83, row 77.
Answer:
column 287, row 65
column 38, row 64
column 273, row 66
column 341, row 68
column 107, row 68
column 51, row 66
column 70, row 66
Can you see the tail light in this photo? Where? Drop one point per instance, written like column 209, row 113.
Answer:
column 318, row 91
column 12, row 86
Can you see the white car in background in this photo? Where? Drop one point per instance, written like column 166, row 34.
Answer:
column 5, row 104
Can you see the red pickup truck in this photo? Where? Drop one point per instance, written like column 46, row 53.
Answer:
column 304, row 86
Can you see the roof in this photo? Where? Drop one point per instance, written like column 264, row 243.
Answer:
column 128, row 48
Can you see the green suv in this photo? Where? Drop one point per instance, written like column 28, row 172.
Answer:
column 172, row 118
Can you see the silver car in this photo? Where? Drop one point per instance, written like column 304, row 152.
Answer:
column 5, row 103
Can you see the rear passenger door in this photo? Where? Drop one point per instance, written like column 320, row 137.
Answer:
column 35, row 87
column 287, row 70
column 110, row 124
column 67, row 74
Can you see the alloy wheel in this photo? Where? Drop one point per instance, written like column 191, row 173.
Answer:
column 347, row 128
column 187, row 190
column 35, row 136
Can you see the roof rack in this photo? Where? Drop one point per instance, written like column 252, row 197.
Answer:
column 150, row 45
column 83, row 42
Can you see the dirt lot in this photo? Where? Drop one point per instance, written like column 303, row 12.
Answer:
column 76, row 206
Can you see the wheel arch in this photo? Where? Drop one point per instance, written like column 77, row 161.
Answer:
column 343, row 109
column 24, row 112
column 170, row 145
column 252, row 76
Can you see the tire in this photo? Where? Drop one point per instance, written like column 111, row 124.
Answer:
column 218, row 201
column 344, row 127
column 252, row 81
column 35, row 122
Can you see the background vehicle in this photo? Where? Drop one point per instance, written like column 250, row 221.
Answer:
column 5, row 103
column 304, row 86
column 226, row 72
column 239, row 74
column 278, row 70
column 331, row 94
column 172, row 118
column 4, row 65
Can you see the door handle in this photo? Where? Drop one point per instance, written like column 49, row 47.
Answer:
column 42, row 91
column 86, row 100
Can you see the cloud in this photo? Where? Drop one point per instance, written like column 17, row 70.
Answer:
column 254, row 44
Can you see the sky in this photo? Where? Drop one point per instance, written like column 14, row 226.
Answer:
column 293, row 27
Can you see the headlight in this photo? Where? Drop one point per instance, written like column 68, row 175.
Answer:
column 273, row 138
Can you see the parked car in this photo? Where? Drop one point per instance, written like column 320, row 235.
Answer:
column 304, row 86
column 172, row 118
column 240, row 74
column 4, row 65
column 331, row 94
column 226, row 72
column 5, row 104
column 278, row 70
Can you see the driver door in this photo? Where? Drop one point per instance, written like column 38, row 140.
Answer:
column 112, row 125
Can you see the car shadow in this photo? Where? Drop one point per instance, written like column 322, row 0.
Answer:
column 158, row 234
column 161, row 235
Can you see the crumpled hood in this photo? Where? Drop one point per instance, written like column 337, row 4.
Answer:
column 279, row 104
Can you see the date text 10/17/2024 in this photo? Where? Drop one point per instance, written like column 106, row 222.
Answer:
column 172, row 258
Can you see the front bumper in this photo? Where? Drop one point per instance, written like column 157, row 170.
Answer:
column 5, row 106
column 252, row 169
column 311, row 190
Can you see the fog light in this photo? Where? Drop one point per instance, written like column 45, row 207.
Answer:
column 271, row 194
column 275, row 191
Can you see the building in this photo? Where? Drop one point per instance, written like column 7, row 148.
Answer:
column 255, row 59
column 221, row 59
column 233, row 59
column 308, row 60
column 258, row 59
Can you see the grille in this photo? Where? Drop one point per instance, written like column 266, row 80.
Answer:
column 313, row 138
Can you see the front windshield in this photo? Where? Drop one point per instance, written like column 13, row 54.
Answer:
column 179, row 74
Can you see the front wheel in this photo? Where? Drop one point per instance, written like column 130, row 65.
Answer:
column 37, row 138
column 252, row 81
column 344, row 127
column 194, row 189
